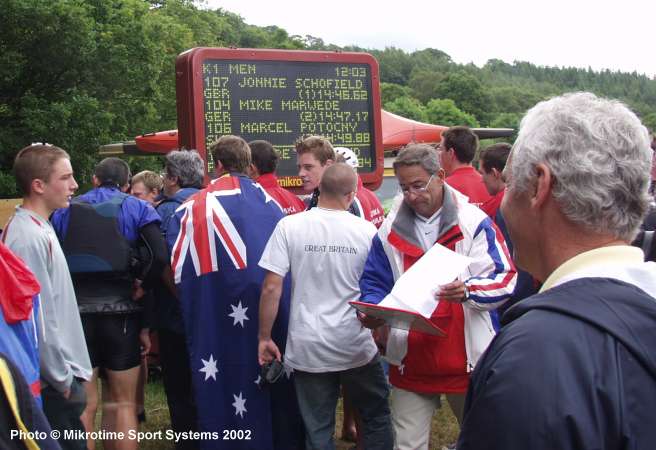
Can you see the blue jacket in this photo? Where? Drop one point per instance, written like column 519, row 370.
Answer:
column 167, row 314
column 573, row 368
column 135, row 213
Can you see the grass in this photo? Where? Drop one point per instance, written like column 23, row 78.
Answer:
column 444, row 427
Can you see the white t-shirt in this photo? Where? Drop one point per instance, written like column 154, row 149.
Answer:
column 427, row 228
column 326, row 251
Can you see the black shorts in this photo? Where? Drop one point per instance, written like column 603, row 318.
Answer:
column 113, row 340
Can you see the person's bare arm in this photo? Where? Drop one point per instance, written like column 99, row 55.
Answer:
column 269, row 302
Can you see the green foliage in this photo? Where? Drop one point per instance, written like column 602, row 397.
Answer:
column 424, row 84
column 408, row 107
column 391, row 91
column 395, row 65
column 445, row 112
column 507, row 120
column 467, row 92
column 650, row 122
column 79, row 73
column 8, row 188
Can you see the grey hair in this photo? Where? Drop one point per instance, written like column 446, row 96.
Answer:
column 188, row 166
column 599, row 155
column 422, row 155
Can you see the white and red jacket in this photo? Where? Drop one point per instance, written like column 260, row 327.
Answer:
column 368, row 205
column 289, row 203
column 432, row 364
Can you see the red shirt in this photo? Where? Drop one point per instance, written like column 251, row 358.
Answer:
column 371, row 208
column 289, row 203
column 469, row 182
column 491, row 206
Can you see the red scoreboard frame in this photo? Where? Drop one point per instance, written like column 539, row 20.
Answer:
column 191, row 100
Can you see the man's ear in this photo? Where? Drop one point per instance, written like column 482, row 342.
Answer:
column 541, row 190
column 37, row 186
column 350, row 199
column 95, row 181
column 218, row 168
column 329, row 162
column 496, row 173
column 441, row 174
column 253, row 172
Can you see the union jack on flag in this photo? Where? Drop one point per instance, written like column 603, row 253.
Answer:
column 216, row 239
column 205, row 218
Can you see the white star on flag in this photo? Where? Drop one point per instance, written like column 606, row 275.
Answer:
column 240, row 405
column 209, row 368
column 238, row 314
column 258, row 380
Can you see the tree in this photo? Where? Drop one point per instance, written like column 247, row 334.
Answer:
column 649, row 121
column 391, row 91
column 445, row 112
column 424, row 84
column 467, row 92
column 407, row 107
column 395, row 65
column 80, row 73
column 512, row 99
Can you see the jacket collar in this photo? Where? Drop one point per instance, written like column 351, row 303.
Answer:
column 404, row 237
column 268, row 180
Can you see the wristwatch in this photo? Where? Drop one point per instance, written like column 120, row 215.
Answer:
column 465, row 297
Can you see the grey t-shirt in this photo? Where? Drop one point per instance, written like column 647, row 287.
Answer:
column 62, row 347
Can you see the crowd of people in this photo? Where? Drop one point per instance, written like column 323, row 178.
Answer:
column 546, row 337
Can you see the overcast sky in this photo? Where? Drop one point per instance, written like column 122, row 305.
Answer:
column 619, row 36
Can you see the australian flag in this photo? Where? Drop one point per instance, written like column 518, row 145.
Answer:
column 216, row 238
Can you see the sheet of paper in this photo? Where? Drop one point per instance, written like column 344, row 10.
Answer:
column 405, row 320
column 415, row 289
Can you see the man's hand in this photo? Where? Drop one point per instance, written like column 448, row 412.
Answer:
column 144, row 338
column 267, row 351
column 452, row 292
column 381, row 335
column 369, row 321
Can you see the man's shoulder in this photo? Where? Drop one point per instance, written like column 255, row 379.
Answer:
column 25, row 232
column 471, row 215
column 522, row 343
column 22, row 223
column 532, row 325
column 358, row 223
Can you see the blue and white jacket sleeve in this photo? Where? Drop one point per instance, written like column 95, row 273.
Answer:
column 492, row 273
column 377, row 279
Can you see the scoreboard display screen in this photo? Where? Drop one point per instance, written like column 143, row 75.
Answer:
column 281, row 96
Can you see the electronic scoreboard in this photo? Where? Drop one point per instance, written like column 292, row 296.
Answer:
column 281, row 96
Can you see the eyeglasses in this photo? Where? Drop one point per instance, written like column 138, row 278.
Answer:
column 417, row 190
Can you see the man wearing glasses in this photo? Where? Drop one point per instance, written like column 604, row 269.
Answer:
column 425, row 366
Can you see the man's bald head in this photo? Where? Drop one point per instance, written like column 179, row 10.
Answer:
column 338, row 180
